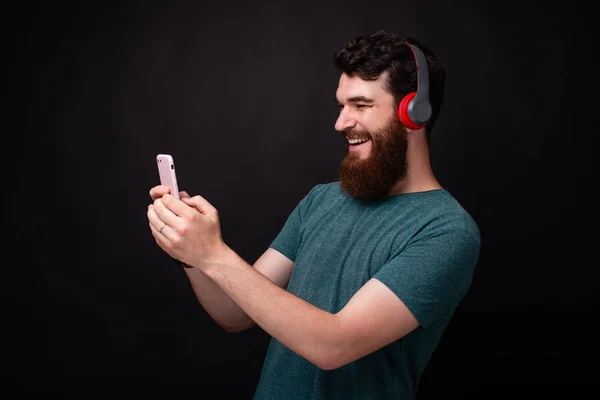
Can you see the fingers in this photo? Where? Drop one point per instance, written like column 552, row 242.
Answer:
column 177, row 207
column 155, row 222
column 161, row 239
column 161, row 230
column 158, row 191
column 201, row 205
column 171, row 212
column 165, row 214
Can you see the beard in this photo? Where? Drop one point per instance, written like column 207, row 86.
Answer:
column 371, row 179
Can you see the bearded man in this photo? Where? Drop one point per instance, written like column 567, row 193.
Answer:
column 366, row 273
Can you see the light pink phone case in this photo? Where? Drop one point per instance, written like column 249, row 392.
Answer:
column 166, row 171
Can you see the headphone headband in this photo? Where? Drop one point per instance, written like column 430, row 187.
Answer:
column 415, row 109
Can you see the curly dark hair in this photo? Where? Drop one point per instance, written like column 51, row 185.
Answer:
column 370, row 56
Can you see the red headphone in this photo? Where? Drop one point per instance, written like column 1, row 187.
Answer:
column 414, row 109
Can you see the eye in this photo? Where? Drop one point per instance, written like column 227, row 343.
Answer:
column 361, row 106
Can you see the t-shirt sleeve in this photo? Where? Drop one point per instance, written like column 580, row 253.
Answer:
column 287, row 240
column 433, row 273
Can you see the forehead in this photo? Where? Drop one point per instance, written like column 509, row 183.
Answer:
column 350, row 86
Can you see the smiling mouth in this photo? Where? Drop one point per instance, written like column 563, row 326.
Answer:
column 357, row 142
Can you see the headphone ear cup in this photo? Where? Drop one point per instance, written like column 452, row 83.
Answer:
column 403, row 112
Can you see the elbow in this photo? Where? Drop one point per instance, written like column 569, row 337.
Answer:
column 235, row 328
column 334, row 350
column 327, row 365
column 333, row 358
column 330, row 363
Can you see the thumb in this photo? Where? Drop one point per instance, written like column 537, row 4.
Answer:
column 200, row 203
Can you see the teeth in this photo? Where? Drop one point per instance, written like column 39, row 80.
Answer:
column 356, row 141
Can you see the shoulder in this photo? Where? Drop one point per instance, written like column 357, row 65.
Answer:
column 443, row 213
column 317, row 196
column 330, row 187
column 324, row 191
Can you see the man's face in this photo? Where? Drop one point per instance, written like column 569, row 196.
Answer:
column 375, row 158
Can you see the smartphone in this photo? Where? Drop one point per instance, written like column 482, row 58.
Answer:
column 166, row 172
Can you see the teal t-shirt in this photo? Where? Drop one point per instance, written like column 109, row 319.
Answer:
column 423, row 246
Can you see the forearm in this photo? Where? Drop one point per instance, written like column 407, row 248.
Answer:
column 217, row 303
column 303, row 328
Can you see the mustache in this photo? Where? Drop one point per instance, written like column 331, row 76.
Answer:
column 356, row 134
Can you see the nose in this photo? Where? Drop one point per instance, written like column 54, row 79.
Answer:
column 344, row 121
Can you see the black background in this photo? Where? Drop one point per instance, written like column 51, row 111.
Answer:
column 242, row 95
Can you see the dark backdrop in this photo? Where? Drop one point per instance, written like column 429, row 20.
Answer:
column 242, row 95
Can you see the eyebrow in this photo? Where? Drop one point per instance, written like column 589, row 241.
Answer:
column 357, row 99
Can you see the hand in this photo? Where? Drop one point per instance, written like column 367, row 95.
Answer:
column 158, row 191
column 187, row 229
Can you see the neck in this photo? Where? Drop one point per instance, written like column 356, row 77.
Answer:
column 419, row 175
